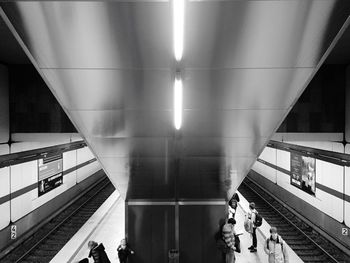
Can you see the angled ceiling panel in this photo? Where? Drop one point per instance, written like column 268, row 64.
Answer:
column 111, row 66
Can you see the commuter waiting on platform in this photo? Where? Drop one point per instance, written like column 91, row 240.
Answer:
column 251, row 217
column 232, row 206
column 235, row 197
column 98, row 253
column 124, row 251
column 228, row 235
column 276, row 248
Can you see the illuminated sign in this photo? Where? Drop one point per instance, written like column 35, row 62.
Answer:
column 303, row 172
column 50, row 173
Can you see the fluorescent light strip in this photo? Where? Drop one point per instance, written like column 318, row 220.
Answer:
column 178, row 103
column 178, row 27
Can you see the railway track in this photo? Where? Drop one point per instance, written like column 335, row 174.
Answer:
column 309, row 245
column 45, row 243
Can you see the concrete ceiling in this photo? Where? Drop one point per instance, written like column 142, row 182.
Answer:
column 111, row 66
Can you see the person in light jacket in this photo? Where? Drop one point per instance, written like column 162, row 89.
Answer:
column 228, row 235
column 276, row 248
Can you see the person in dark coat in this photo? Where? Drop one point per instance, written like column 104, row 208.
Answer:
column 235, row 197
column 232, row 207
column 220, row 243
column 98, row 253
column 124, row 251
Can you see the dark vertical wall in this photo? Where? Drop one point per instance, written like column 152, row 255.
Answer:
column 33, row 107
column 321, row 108
column 4, row 105
column 347, row 105
column 151, row 232
column 198, row 226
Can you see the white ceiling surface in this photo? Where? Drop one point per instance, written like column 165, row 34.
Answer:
column 111, row 66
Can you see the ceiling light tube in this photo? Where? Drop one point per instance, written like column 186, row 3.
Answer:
column 178, row 27
column 177, row 103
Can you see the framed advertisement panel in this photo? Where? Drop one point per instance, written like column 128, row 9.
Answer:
column 50, row 173
column 303, row 172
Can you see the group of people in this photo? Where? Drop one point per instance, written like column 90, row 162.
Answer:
column 228, row 240
column 99, row 255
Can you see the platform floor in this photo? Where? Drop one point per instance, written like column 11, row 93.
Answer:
column 107, row 226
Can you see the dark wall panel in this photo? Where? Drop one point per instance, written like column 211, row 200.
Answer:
column 152, row 178
column 199, row 178
column 151, row 232
column 33, row 108
column 321, row 107
column 198, row 225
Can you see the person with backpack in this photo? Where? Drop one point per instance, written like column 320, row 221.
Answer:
column 275, row 248
column 252, row 216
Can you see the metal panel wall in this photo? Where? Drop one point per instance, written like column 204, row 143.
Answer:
column 151, row 232
column 198, row 225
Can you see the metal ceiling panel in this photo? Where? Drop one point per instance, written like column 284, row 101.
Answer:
column 111, row 66
column 231, row 123
column 110, row 89
column 95, row 34
column 243, row 88
column 260, row 34
column 124, row 123
column 132, row 147
column 219, row 146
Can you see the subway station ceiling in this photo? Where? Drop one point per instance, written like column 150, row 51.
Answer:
column 111, row 66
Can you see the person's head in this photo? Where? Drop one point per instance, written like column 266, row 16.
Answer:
column 233, row 203
column 123, row 242
column 273, row 232
column 252, row 206
column 231, row 221
column 92, row 244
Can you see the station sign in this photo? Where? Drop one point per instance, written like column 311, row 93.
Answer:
column 13, row 231
column 50, row 173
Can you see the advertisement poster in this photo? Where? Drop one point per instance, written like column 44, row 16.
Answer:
column 303, row 172
column 50, row 173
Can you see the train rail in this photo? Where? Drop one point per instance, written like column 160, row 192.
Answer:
column 45, row 243
column 309, row 245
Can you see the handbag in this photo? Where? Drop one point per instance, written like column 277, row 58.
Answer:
column 248, row 225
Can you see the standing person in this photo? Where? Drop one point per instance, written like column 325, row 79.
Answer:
column 275, row 248
column 235, row 197
column 232, row 206
column 124, row 251
column 220, row 243
column 98, row 253
column 251, row 216
column 228, row 235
